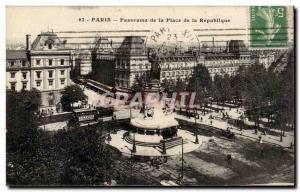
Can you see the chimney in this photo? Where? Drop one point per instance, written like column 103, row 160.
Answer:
column 28, row 42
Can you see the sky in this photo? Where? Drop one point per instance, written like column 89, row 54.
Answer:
column 22, row 20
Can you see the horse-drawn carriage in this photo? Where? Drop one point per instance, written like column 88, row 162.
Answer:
column 228, row 134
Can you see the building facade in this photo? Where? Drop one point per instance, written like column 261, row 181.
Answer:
column 228, row 61
column 17, row 70
column 103, row 62
column 172, row 68
column 131, row 62
column 46, row 68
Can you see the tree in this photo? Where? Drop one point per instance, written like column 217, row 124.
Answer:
column 200, row 78
column 216, row 88
column 29, row 153
column 201, row 83
column 22, row 130
column 284, row 97
column 139, row 84
column 254, row 91
column 180, row 85
column 225, row 89
column 70, row 95
column 88, row 160
column 237, row 83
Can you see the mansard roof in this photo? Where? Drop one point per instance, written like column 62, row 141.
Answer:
column 47, row 41
column 103, row 45
column 132, row 45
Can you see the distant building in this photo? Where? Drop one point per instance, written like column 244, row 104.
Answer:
column 266, row 60
column 17, row 70
column 267, row 57
column 85, row 62
column 171, row 68
column 228, row 61
column 131, row 62
column 103, row 62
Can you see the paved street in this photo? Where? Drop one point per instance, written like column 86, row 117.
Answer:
column 253, row 162
column 208, row 165
column 124, row 112
column 287, row 139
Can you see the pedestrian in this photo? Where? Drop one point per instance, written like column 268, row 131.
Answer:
column 229, row 159
column 260, row 139
column 261, row 153
column 264, row 132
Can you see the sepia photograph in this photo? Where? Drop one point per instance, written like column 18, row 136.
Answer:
column 156, row 96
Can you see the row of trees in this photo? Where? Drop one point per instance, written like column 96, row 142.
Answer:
column 263, row 92
column 37, row 157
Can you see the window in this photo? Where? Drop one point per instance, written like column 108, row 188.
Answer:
column 50, row 62
column 24, row 74
column 23, row 63
column 38, row 83
column 62, row 81
column 24, row 85
column 13, row 86
column 62, row 72
column 12, row 63
column 13, row 75
column 38, row 62
column 50, row 73
column 51, row 98
column 50, row 82
column 38, row 74
column 62, row 61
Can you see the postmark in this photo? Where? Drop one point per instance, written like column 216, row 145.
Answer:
column 164, row 37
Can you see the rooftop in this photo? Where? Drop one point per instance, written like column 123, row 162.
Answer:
column 132, row 45
column 16, row 54
column 47, row 40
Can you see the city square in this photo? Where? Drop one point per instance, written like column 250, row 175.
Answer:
column 171, row 106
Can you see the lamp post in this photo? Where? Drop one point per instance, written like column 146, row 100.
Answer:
column 133, row 144
column 164, row 148
column 130, row 112
column 131, row 166
column 196, row 132
column 195, row 109
column 181, row 160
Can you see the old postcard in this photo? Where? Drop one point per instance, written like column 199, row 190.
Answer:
column 150, row 96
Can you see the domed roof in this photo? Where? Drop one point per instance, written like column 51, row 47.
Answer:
column 236, row 46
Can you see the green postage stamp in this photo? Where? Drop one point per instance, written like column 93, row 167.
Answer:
column 268, row 26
